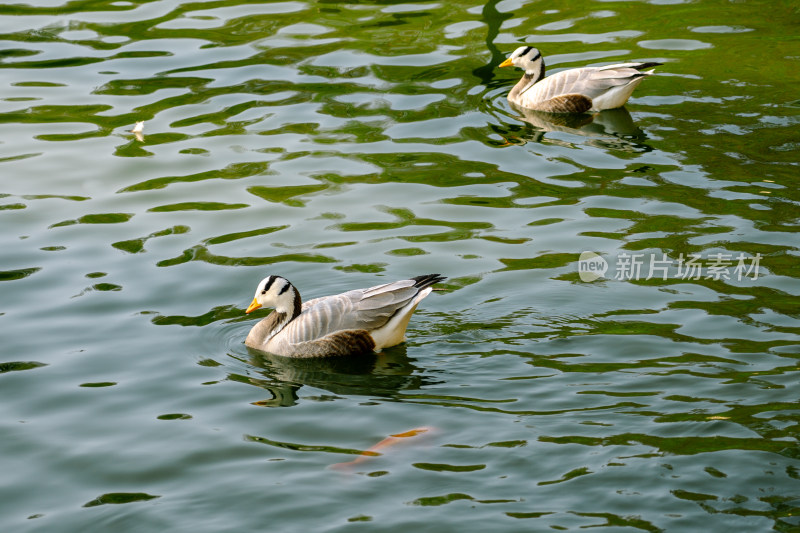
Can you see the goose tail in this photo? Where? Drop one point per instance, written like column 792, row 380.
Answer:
column 642, row 66
column 394, row 331
column 426, row 280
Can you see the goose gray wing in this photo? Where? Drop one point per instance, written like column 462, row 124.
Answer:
column 602, row 79
column 569, row 91
column 360, row 309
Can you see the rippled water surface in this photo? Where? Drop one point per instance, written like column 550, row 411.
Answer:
column 347, row 144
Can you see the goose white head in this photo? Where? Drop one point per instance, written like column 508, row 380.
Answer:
column 275, row 292
column 525, row 57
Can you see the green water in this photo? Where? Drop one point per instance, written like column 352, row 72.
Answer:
column 344, row 145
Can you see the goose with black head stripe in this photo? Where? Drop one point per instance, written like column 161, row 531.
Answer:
column 351, row 323
column 574, row 90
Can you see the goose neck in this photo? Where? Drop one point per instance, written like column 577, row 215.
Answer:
column 287, row 312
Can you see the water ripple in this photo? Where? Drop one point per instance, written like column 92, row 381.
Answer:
column 344, row 145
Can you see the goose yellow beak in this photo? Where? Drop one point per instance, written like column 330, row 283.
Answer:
column 253, row 306
column 506, row 63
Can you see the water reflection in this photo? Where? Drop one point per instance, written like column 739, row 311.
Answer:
column 383, row 374
column 344, row 141
column 612, row 128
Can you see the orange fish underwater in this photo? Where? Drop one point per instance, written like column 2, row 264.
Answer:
column 391, row 440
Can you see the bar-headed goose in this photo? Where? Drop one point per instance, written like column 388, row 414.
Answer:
column 575, row 90
column 354, row 322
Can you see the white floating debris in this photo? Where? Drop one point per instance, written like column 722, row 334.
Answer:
column 138, row 130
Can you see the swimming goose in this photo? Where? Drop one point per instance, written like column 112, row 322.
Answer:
column 575, row 90
column 354, row 322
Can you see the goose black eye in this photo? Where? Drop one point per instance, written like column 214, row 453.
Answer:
column 263, row 292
